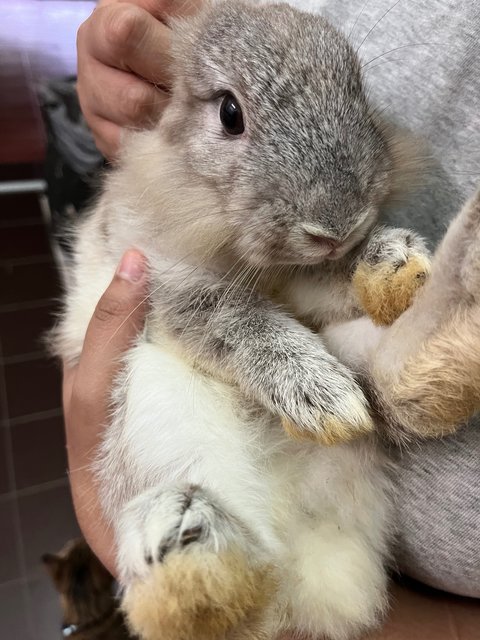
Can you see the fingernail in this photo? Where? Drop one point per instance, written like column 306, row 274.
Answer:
column 132, row 266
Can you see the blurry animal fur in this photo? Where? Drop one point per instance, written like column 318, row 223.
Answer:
column 90, row 610
column 226, row 526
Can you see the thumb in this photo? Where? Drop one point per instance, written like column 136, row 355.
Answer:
column 116, row 322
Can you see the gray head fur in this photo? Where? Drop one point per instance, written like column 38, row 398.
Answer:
column 313, row 159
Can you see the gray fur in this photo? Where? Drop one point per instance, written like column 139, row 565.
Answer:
column 240, row 336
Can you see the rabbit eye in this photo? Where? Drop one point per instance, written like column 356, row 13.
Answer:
column 231, row 116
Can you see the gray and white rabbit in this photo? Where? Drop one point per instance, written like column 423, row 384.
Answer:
column 256, row 200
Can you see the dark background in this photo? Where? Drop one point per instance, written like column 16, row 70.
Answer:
column 37, row 42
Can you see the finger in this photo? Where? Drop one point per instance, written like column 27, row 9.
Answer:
column 69, row 373
column 178, row 8
column 122, row 98
column 118, row 317
column 162, row 9
column 117, row 320
column 129, row 38
column 107, row 135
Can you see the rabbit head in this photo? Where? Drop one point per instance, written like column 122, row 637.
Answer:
column 269, row 112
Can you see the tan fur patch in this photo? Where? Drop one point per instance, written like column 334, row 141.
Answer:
column 200, row 596
column 385, row 293
column 439, row 388
column 332, row 431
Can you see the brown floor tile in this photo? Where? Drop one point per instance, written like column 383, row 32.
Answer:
column 22, row 205
column 13, row 613
column 19, row 94
column 44, row 609
column 22, row 331
column 9, row 543
column 39, row 453
column 23, row 242
column 3, row 399
column 21, row 130
column 19, row 171
column 4, row 446
column 32, row 387
column 27, row 144
column 22, row 283
column 47, row 521
column 17, row 110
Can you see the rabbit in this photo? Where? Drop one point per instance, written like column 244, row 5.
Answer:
column 241, row 471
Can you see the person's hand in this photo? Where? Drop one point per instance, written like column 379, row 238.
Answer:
column 117, row 320
column 123, row 65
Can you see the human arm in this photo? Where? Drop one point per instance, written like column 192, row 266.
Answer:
column 119, row 316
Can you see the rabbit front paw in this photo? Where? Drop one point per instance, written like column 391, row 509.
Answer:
column 393, row 266
column 322, row 403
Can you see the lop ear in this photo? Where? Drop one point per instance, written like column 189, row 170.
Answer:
column 411, row 161
column 54, row 565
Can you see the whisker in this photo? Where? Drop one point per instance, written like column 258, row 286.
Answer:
column 464, row 173
column 376, row 24
column 150, row 294
column 236, row 283
column 241, row 286
column 379, row 111
column 253, row 286
column 224, row 276
column 357, row 19
column 385, row 62
column 403, row 46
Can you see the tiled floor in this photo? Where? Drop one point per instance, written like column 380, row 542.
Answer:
column 36, row 514
column 37, row 40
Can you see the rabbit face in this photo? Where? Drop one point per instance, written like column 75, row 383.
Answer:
column 269, row 111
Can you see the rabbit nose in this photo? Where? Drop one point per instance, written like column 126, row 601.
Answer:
column 324, row 241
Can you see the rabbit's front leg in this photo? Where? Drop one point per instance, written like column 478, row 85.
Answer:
column 237, row 335
column 387, row 270
column 424, row 370
column 379, row 278
column 427, row 365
